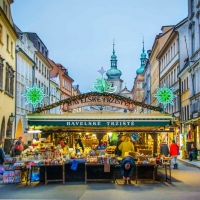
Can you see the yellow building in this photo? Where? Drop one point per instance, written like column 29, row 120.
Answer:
column 157, row 46
column 8, row 38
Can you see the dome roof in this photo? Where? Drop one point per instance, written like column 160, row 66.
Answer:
column 140, row 70
column 113, row 73
column 143, row 55
column 113, row 57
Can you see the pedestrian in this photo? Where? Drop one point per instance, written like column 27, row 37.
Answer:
column 193, row 153
column 80, row 144
column 126, row 146
column 164, row 149
column 127, row 166
column 121, row 139
column 174, row 152
column 2, row 154
column 19, row 146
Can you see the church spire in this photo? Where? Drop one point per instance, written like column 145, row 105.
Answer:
column 113, row 46
column 113, row 73
column 142, row 58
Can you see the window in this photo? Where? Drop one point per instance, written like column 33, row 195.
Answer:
column 192, row 6
column 171, row 52
column 1, row 72
column 7, row 43
column 36, row 81
column 38, row 45
column 42, row 50
column 182, row 87
column 169, row 56
column 172, row 75
column 45, row 73
column 9, row 85
column 11, row 50
column 193, row 43
column 187, row 83
column 39, row 66
column 36, row 61
column 42, row 69
column 188, row 112
column 38, row 84
column 1, row 32
column 174, row 49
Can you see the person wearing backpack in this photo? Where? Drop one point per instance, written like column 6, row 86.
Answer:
column 19, row 147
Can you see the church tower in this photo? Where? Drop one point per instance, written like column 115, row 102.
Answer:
column 114, row 73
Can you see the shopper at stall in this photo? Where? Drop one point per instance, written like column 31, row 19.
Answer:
column 164, row 149
column 127, row 166
column 2, row 154
column 193, row 153
column 80, row 144
column 19, row 146
column 121, row 139
column 174, row 151
column 126, row 146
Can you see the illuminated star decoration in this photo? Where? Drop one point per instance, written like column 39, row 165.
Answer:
column 102, row 71
column 101, row 85
column 165, row 95
column 34, row 95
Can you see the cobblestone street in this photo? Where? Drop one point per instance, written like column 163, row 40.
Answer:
column 185, row 185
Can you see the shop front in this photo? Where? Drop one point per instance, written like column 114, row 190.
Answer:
column 98, row 132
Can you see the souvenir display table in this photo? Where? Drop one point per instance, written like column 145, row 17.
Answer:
column 144, row 170
column 99, row 172
column 49, row 172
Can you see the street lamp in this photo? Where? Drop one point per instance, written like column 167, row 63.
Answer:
column 12, row 118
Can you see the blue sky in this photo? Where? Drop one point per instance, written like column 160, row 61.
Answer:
column 79, row 33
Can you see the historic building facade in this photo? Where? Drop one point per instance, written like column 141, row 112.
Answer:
column 194, row 70
column 55, row 94
column 114, row 73
column 157, row 46
column 66, row 81
column 147, row 83
column 138, row 89
column 25, row 52
column 43, row 67
column 8, row 38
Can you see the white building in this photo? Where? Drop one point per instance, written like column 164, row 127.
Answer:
column 55, row 94
column 25, row 76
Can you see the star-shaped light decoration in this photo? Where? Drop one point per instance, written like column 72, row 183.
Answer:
column 102, row 71
column 34, row 95
column 165, row 95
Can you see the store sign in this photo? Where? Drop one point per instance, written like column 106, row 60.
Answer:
column 92, row 123
column 195, row 115
column 99, row 123
column 98, row 100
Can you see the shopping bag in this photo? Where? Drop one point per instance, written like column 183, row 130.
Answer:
column 1, row 169
column 74, row 165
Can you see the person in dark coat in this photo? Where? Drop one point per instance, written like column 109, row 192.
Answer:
column 164, row 149
column 79, row 142
column 127, row 167
column 193, row 153
column 121, row 139
column 2, row 155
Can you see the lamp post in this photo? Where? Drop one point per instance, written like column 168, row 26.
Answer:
column 12, row 118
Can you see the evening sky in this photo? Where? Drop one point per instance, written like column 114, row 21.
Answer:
column 79, row 33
